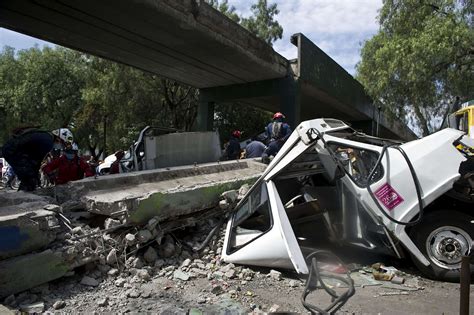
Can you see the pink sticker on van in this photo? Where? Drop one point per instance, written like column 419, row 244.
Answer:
column 388, row 196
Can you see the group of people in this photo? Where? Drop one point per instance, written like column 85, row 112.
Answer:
column 55, row 153
column 30, row 150
column 276, row 133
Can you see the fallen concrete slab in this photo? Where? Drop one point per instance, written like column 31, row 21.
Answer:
column 161, row 193
column 25, row 225
column 21, row 273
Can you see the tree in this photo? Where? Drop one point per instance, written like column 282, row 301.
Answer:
column 420, row 60
column 262, row 22
column 230, row 117
column 40, row 87
column 127, row 100
column 224, row 8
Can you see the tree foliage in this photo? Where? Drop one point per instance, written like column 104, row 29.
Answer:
column 262, row 23
column 420, row 60
column 58, row 87
column 225, row 8
column 39, row 87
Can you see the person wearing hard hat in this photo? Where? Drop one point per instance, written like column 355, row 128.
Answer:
column 69, row 166
column 232, row 151
column 27, row 148
column 277, row 133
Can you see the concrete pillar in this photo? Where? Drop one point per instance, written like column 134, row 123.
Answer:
column 205, row 114
column 290, row 101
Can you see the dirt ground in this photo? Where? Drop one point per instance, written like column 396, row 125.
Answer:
column 263, row 291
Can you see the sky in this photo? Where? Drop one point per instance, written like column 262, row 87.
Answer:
column 338, row 27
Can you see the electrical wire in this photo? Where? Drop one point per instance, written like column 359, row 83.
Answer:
column 316, row 276
column 415, row 180
column 372, row 173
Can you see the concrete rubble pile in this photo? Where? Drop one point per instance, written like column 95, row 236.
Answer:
column 47, row 235
column 128, row 255
column 160, row 263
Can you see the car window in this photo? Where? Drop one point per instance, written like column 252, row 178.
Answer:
column 358, row 162
column 252, row 219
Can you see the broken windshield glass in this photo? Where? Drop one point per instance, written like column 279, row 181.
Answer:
column 357, row 162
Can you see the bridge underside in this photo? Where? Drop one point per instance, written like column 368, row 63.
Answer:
column 190, row 42
column 187, row 41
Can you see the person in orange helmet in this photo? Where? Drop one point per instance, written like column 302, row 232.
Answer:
column 277, row 133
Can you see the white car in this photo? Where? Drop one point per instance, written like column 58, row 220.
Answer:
column 104, row 167
column 329, row 182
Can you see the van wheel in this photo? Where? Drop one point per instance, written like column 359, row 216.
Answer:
column 444, row 237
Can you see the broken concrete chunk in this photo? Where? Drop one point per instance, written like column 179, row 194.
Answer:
column 217, row 290
column 275, row 275
column 120, row 282
column 144, row 236
column 151, row 225
column 59, row 305
column 143, row 274
column 112, row 256
column 51, row 207
column 181, row 275
column 37, row 307
column 133, row 293
column 186, row 263
column 223, row 204
column 77, row 230
column 88, row 281
column 244, row 189
column 113, row 272
column 150, row 255
column 103, row 301
column 230, row 274
column 110, row 223
column 227, row 267
column 230, row 196
column 397, row 280
column 130, row 239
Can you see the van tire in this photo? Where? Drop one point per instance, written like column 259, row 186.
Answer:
column 450, row 231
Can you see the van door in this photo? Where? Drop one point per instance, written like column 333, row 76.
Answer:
column 259, row 232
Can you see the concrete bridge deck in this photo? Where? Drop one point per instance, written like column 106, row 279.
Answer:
column 190, row 42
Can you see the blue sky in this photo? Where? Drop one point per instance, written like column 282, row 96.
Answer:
column 338, row 27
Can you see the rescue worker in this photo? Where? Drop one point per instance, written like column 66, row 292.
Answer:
column 254, row 148
column 277, row 132
column 69, row 166
column 232, row 151
column 26, row 149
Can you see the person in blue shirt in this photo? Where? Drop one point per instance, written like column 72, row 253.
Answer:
column 277, row 133
column 254, row 148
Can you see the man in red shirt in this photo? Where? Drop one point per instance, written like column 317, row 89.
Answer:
column 69, row 166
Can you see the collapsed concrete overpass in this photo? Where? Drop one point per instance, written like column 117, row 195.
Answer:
column 190, row 42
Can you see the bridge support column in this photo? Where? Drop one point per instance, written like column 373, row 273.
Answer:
column 290, row 97
column 205, row 114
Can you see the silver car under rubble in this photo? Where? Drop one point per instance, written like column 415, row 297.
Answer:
column 328, row 180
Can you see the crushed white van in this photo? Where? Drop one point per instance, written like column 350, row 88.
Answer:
column 413, row 198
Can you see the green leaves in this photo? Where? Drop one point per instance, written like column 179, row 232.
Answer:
column 262, row 22
column 421, row 59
